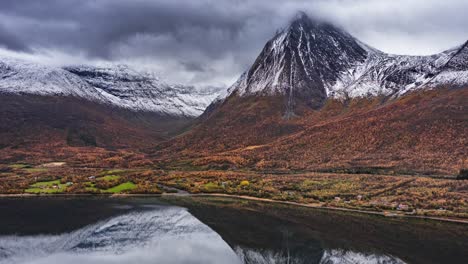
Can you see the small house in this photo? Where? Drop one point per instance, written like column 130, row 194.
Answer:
column 403, row 207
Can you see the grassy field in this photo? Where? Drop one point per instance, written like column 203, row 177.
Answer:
column 127, row 186
column 47, row 187
column 91, row 187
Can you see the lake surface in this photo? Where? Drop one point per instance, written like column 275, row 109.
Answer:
column 214, row 230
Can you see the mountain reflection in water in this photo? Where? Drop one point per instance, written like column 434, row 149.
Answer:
column 164, row 235
column 170, row 234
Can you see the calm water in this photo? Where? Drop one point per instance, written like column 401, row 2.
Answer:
column 214, row 230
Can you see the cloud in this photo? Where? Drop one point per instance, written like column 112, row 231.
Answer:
column 10, row 41
column 210, row 42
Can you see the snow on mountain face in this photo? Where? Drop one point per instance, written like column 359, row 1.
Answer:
column 115, row 85
column 302, row 60
column 314, row 60
column 18, row 76
column 385, row 74
column 455, row 71
column 127, row 88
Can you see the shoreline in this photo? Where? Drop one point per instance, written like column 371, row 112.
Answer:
column 332, row 208
column 244, row 197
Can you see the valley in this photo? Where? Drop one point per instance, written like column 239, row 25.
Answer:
column 233, row 132
column 319, row 119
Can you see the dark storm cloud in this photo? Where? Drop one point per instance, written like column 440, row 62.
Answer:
column 212, row 41
column 10, row 41
column 98, row 26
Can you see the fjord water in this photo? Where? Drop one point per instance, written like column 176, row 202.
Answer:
column 214, row 230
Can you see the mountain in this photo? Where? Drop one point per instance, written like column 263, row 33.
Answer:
column 317, row 98
column 301, row 62
column 46, row 108
column 313, row 61
column 116, row 85
column 127, row 88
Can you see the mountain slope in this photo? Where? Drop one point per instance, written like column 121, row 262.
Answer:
column 127, row 88
column 36, row 129
column 47, row 111
column 455, row 71
column 423, row 132
column 23, row 77
column 118, row 86
column 317, row 98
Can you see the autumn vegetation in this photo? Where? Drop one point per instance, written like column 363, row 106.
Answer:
column 405, row 156
column 422, row 134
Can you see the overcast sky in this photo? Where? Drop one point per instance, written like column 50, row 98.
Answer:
column 211, row 42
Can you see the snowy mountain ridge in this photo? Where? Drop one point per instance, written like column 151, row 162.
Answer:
column 315, row 60
column 116, row 85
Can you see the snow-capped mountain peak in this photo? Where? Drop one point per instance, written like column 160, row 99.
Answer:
column 301, row 60
column 313, row 60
